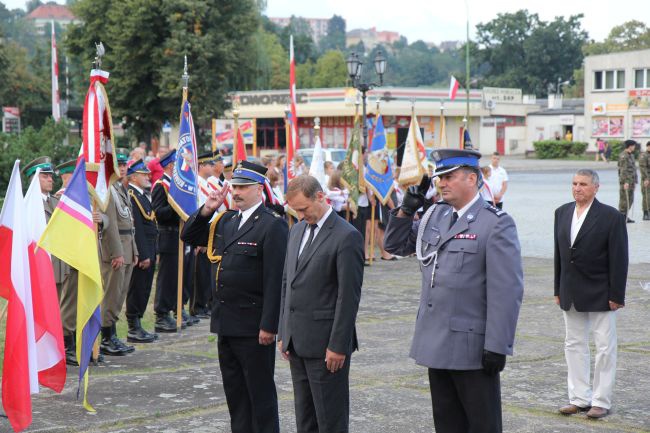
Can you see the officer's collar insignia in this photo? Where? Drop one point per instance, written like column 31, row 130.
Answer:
column 446, row 213
column 470, row 217
column 257, row 216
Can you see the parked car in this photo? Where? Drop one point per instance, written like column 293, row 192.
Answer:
column 335, row 155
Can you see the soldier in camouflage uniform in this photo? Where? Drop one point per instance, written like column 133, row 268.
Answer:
column 644, row 168
column 627, row 178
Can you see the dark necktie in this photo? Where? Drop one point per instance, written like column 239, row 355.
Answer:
column 454, row 218
column 312, row 232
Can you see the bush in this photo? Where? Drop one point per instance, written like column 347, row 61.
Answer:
column 616, row 146
column 553, row 149
column 32, row 143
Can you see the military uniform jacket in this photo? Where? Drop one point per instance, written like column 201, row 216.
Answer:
column 249, row 276
column 627, row 169
column 472, row 301
column 61, row 268
column 166, row 217
column 117, row 236
column 144, row 221
column 644, row 165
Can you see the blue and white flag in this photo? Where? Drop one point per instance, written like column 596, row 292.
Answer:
column 379, row 171
column 183, row 191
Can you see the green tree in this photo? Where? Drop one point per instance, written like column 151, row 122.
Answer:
column 330, row 70
column 303, row 44
column 519, row 50
column 335, row 38
column 631, row 35
column 272, row 62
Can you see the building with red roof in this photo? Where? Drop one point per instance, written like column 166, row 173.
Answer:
column 46, row 13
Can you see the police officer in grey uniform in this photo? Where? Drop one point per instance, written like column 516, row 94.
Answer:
column 472, row 286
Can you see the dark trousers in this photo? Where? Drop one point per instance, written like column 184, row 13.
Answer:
column 166, row 284
column 247, row 370
column 322, row 399
column 359, row 223
column 202, row 288
column 465, row 401
column 498, row 205
column 137, row 297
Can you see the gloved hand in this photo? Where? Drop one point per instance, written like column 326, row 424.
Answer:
column 414, row 197
column 493, row 363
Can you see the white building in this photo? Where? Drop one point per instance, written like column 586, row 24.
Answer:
column 617, row 96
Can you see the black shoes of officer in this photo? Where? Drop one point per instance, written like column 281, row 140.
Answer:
column 137, row 334
column 70, row 350
column 646, row 216
column 164, row 323
column 630, row 220
column 111, row 345
column 201, row 313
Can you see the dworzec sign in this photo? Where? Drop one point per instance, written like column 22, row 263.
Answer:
column 271, row 98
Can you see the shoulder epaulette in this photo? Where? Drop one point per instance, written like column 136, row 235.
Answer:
column 165, row 184
column 495, row 210
column 272, row 212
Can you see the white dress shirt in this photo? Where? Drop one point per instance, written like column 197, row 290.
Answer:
column 319, row 225
column 576, row 222
column 465, row 208
column 244, row 215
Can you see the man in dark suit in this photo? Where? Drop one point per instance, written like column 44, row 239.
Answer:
column 321, row 289
column 591, row 259
column 146, row 231
column 248, row 245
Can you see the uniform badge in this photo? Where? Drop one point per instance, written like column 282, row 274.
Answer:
column 250, row 244
column 470, row 217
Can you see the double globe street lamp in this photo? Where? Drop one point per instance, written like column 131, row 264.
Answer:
column 355, row 68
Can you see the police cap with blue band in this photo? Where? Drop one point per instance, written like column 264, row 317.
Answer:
column 448, row 160
column 137, row 167
column 248, row 173
column 168, row 158
column 206, row 158
column 43, row 162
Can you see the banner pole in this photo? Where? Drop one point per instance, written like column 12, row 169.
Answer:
column 372, row 231
column 96, row 343
column 179, row 296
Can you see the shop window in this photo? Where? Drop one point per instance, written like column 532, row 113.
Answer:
column 642, row 78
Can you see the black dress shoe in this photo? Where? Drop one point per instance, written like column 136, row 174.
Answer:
column 71, row 358
column 111, row 348
column 120, row 343
column 139, row 335
column 165, row 324
column 630, row 220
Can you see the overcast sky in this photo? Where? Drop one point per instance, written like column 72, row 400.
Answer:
column 439, row 20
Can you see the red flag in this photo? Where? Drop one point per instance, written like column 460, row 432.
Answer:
column 19, row 368
column 453, row 88
column 294, row 140
column 47, row 318
column 240, row 152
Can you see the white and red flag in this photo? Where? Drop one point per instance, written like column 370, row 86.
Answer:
column 19, row 374
column 56, row 99
column 453, row 88
column 97, row 148
column 47, row 318
column 294, row 140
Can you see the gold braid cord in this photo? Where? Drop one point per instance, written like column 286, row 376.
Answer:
column 148, row 216
column 211, row 253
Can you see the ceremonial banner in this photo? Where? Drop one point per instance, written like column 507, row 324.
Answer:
column 97, row 148
column 48, row 329
column 240, row 151
column 56, row 100
column 467, row 141
column 293, row 143
column 317, row 167
column 19, row 374
column 379, row 170
column 70, row 236
column 411, row 171
column 352, row 171
column 183, row 190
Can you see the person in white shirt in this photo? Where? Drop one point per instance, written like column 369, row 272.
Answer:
column 499, row 181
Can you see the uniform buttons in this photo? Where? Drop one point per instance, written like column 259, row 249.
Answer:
column 221, row 285
column 430, row 305
column 225, row 252
column 291, row 310
column 223, row 302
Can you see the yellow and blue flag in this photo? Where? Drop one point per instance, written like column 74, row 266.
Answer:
column 70, row 236
column 183, row 190
column 379, row 170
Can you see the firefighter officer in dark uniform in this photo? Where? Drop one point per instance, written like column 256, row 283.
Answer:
column 168, row 222
column 248, row 248
column 146, row 232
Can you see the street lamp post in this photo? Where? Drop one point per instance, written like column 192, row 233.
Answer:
column 355, row 66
